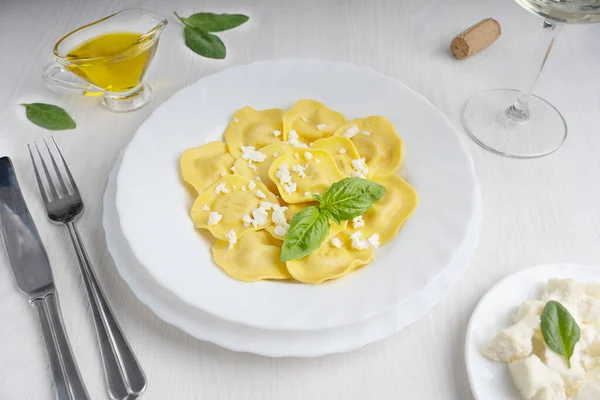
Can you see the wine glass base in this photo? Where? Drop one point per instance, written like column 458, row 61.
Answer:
column 130, row 102
column 486, row 122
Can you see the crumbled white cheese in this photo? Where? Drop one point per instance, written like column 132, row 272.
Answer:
column 351, row 132
column 278, row 215
column 247, row 220
column 232, row 169
column 510, row 344
column 221, row 188
column 260, row 194
column 365, row 133
column 214, row 218
column 358, row 241
column 252, row 185
column 276, row 133
column 310, row 144
column 285, row 179
column 244, row 188
column 280, row 230
column 317, row 160
column 531, row 377
column 205, row 207
column 290, row 188
column 342, row 151
column 235, row 120
column 304, row 119
column 260, row 216
column 275, row 155
column 335, row 242
column 293, row 140
column 251, row 166
column 358, row 222
column 321, row 127
column 299, row 169
column 360, row 168
column 223, row 173
column 296, row 155
column 308, row 155
column 257, row 178
column 374, row 241
column 307, row 193
column 232, row 238
column 249, row 153
column 267, row 205
column 234, row 187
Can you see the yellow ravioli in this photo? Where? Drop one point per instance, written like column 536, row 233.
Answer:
column 243, row 168
column 376, row 141
column 232, row 206
column 387, row 215
column 342, row 149
column 202, row 166
column 289, row 213
column 250, row 127
column 311, row 120
column 329, row 262
column 318, row 166
column 254, row 257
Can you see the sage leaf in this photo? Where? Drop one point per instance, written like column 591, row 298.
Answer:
column 49, row 116
column 210, row 22
column 559, row 329
column 308, row 229
column 349, row 198
column 204, row 43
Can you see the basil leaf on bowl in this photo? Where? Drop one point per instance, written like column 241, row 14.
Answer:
column 559, row 329
column 349, row 198
column 49, row 116
column 308, row 229
column 210, row 22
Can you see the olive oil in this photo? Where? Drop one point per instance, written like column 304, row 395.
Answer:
column 114, row 62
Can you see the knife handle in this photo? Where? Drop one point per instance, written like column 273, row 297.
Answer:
column 67, row 379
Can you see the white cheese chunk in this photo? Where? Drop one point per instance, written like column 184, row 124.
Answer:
column 573, row 376
column 299, row 169
column 221, row 188
column 235, row 120
column 304, row 119
column 308, row 155
column 276, row 133
column 260, row 217
column 358, row 242
column 533, row 378
column 250, row 154
column 285, row 178
column 280, row 230
column 231, row 238
column 321, row 127
column 374, row 241
column 205, row 207
column 260, row 194
column 247, row 220
column 244, row 188
column 365, row 133
column 510, row 344
column 232, row 169
column 573, row 296
column 589, row 390
column 290, row 188
column 214, row 218
column 257, row 178
column 358, row 222
column 351, row 132
column 360, row 168
column 335, row 242
column 278, row 215
column 307, row 193
column 342, row 151
column 223, row 173
column 252, row 185
column 275, row 155
column 293, row 140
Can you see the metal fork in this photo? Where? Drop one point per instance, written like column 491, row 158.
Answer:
column 124, row 376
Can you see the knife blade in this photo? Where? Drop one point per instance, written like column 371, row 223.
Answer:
column 26, row 253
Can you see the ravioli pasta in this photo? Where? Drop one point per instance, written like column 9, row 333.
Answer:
column 269, row 167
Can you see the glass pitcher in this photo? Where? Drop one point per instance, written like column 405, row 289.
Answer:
column 108, row 58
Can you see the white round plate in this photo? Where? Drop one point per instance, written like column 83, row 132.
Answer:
column 266, row 342
column 153, row 204
column 491, row 380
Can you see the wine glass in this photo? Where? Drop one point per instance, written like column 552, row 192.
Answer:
column 517, row 123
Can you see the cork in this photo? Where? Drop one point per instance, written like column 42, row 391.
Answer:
column 475, row 38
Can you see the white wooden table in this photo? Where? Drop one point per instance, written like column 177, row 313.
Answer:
column 540, row 211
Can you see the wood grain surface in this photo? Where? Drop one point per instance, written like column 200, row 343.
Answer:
column 535, row 212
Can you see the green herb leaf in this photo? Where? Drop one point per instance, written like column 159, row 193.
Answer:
column 349, row 198
column 210, row 22
column 49, row 116
column 560, row 331
column 204, row 43
column 308, row 229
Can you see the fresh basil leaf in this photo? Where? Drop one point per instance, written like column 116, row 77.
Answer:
column 49, row 116
column 204, row 43
column 561, row 332
column 349, row 198
column 210, row 22
column 308, row 229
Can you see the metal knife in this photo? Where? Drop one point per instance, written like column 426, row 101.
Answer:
column 33, row 275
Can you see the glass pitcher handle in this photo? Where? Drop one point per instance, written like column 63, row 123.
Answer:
column 53, row 81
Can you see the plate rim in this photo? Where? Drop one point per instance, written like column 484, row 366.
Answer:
column 466, row 158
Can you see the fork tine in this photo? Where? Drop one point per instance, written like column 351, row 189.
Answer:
column 37, row 176
column 73, row 184
column 47, row 173
column 58, row 173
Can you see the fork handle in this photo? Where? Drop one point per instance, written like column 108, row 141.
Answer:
column 124, row 375
column 67, row 380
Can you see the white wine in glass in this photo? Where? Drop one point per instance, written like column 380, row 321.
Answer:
column 516, row 123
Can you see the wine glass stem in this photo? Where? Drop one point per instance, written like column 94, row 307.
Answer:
column 519, row 110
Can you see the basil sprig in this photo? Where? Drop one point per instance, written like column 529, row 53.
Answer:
column 559, row 329
column 342, row 201
column 49, row 116
column 197, row 32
